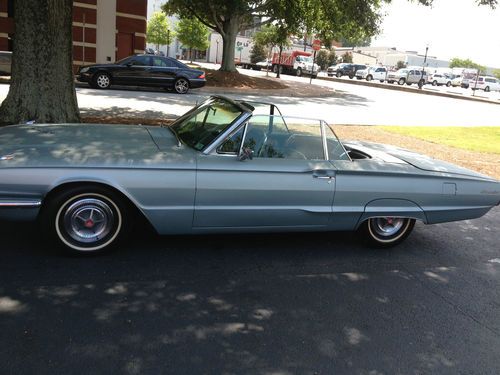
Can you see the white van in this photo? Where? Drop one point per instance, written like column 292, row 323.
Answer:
column 485, row 83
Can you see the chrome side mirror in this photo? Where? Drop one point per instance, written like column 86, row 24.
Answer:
column 246, row 153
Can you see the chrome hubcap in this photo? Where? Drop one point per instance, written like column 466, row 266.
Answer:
column 103, row 81
column 181, row 86
column 88, row 220
column 387, row 226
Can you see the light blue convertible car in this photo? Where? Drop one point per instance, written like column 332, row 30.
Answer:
column 225, row 166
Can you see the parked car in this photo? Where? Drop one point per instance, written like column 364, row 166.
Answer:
column 457, row 81
column 143, row 70
column 345, row 69
column 439, row 79
column 375, row 72
column 408, row 76
column 5, row 62
column 225, row 166
column 486, row 83
column 264, row 65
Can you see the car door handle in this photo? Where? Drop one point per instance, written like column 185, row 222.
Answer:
column 326, row 174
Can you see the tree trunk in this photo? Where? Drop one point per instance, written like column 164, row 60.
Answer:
column 279, row 62
column 42, row 84
column 191, row 55
column 231, row 27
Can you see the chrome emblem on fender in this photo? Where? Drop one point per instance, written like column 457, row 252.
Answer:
column 6, row 157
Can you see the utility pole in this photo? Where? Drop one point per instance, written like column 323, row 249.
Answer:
column 420, row 82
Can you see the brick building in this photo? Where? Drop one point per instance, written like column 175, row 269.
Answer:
column 103, row 30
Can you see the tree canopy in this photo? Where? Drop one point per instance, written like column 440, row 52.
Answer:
column 466, row 63
column 192, row 34
column 352, row 20
column 158, row 30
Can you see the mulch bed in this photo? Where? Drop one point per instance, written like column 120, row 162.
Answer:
column 216, row 78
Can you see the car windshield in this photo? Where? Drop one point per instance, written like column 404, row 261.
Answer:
column 201, row 126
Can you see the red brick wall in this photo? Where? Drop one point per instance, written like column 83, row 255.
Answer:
column 131, row 20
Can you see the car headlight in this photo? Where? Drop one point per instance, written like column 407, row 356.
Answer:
column 84, row 70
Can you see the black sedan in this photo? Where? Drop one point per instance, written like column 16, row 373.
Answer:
column 143, row 70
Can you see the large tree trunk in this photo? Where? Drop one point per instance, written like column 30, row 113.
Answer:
column 42, row 86
column 231, row 27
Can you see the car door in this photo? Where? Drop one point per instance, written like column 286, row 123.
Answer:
column 163, row 71
column 135, row 71
column 380, row 74
column 287, row 183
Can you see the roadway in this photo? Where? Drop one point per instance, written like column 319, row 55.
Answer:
column 350, row 104
column 296, row 303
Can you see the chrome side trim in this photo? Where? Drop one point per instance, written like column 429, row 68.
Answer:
column 20, row 203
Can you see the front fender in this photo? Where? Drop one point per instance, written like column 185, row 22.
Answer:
column 392, row 208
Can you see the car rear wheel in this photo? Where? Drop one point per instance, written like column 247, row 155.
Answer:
column 101, row 81
column 386, row 231
column 85, row 220
column 181, row 86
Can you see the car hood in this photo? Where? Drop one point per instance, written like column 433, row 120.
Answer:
column 91, row 145
column 395, row 154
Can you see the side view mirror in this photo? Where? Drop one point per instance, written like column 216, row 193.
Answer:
column 246, row 153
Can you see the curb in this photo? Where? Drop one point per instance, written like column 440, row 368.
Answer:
column 396, row 87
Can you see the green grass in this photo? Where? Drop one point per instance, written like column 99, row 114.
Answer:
column 481, row 139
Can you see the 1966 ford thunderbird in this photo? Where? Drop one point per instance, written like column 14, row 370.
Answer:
column 225, row 166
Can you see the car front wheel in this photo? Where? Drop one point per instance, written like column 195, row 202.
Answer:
column 101, row 81
column 386, row 231
column 339, row 75
column 401, row 81
column 298, row 72
column 487, row 89
column 369, row 77
column 181, row 86
column 85, row 220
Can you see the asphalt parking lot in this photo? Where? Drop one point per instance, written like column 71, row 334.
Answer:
column 255, row 304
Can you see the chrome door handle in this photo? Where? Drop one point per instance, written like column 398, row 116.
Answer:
column 324, row 174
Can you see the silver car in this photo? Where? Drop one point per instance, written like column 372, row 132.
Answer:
column 225, row 166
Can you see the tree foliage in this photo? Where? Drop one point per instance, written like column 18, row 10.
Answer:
column 400, row 64
column 258, row 53
column 158, row 30
column 496, row 73
column 325, row 58
column 192, row 34
column 466, row 63
column 328, row 19
column 347, row 57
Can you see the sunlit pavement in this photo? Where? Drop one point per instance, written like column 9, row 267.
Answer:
column 263, row 304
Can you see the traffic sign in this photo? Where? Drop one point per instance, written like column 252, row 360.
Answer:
column 316, row 44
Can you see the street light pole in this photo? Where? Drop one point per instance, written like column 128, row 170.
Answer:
column 168, row 42
column 420, row 82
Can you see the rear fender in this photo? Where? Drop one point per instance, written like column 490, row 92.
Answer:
column 392, row 208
